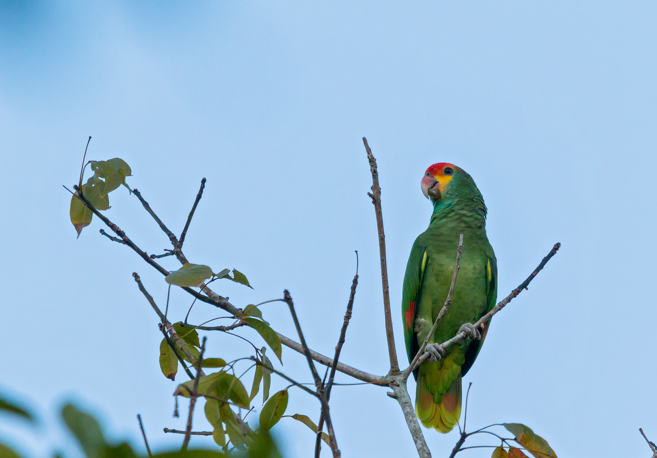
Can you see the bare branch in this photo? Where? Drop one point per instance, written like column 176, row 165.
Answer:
column 165, row 229
column 651, row 444
column 279, row 373
column 192, row 398
column 460, row 336
column 318, row 381
column 441, row 314
column 191, row 215
column 112, row 238
column 338, row 349
column 167, row 325
column 400, row 393
column 326, row 361
column 143, row 433
column 376, row 200
column 193, row 433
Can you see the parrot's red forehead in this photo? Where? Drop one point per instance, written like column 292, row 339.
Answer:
column 437, row 169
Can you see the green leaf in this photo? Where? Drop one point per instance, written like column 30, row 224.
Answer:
column 499, row 452
column 273, row 410
column 123, row 450
column 232, row 429
column 205, row 383
column 189, row 275
column 268, row 334
column 212, row 412
column 533, row 443
column 187, row 349
column 252, row 310
column 266, row 376
column 6, row 406
column 223, row 274
column 239, row 277
column 123, row 169
column 213, row 362
column 219, row 435
column 103, row 169
column 6, row 452
column 168, row 360
column 227, row 386
column 187, row 333
column 309, row 423
column 516, row 453
column 80, row 215
column 257, row 378
column 86, row 430
column 94, row 192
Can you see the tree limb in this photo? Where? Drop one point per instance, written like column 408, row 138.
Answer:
column 375, row 195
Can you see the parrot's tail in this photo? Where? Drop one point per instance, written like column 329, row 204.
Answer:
column 436, row 411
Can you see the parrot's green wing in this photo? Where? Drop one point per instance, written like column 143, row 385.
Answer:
column 411, row 295
column 491, row 292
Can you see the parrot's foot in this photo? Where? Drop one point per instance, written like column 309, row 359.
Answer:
column 436, row 351
column 471, row 332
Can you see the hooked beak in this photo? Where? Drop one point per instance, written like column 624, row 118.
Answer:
column 430, row 187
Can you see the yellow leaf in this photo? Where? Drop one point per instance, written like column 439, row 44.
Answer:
column 533, row 443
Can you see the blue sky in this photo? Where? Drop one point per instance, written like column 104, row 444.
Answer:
column 550, row 106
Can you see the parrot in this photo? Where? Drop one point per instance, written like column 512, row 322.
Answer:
column 458, row 208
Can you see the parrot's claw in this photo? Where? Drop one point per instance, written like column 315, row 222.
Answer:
column 435, row 351
column 471, row 332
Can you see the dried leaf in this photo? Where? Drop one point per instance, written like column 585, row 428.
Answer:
column 516, row 453
column 273, row 410
column 189, row 275
column 533, row 443
column 309, row 423
column 499, row 452
column 168, row 360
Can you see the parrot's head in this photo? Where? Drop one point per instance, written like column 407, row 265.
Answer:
column 436, row 178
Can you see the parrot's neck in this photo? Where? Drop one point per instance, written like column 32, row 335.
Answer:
column 463, row 211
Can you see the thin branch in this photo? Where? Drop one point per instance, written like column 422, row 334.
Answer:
column 193, row 433
column 165, row 229
column 459, row 444
column 460, row 336
column 112, row 238
column 238, row 324
column 192, row 397
column 176, row 352
column 143, row 433
column 318, row 381
column 400, row 393
column 326, row 361
column 84, row 158
column 279, row 373
column 441, row 314
column 338, row 350
column 651, row 444
column 191, row 215
column 375, row 195
column 168, row 326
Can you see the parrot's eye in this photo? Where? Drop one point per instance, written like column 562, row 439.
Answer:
column 428, row 174
column 448, row 171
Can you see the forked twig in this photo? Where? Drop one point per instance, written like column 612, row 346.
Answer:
column 192, row 397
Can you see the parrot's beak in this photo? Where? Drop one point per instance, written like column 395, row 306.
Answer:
column 430, row 187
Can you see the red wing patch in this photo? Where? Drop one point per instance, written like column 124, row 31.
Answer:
column 410, row 314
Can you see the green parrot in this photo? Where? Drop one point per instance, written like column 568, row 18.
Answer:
column 458, row 208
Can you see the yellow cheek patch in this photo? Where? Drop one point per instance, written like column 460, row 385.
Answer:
column 443, row 181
